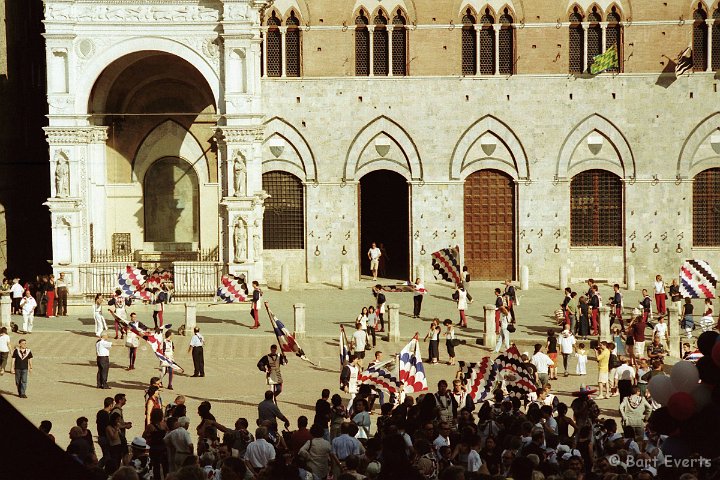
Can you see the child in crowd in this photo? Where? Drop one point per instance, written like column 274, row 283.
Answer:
column 581, row 368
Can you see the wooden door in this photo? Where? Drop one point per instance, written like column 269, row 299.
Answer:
column 490, row 225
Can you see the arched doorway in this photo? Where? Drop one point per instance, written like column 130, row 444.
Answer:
column 384, row 219
column 490, row 225
column 171, row 201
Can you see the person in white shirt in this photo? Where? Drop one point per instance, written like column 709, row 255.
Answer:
column 504, row 337
column 567, row 346
column 359, row 340
column 102, row 348
column 542, row 362
column 16, row 294
column 706, row 321
column 100, row 325
column 349, row 378
column 660, row 295
column 625, row 379
column 661, row 330
column 5, row 348
column 28, row 305
column 179, row 444
column 132, row 342
column 419, row 290
column 443, row 438
column 259, row 453
column 374, row 257
column 197, row 342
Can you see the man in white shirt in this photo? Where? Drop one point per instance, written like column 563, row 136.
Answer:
column 624, row 378
column 418, row 297
column 16, row 294
column 360, row 338
column 542, row 362
column 179, row 444
column 259, row 453
column 443, row 438
column 102, row 348
column 28, row 305
column 374, row 257
column 5, row 348
column 196, row 347
column 567, row 346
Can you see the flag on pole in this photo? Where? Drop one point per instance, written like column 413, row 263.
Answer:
column 231, row 290
column 285, row 339
column 131, row 281
column 383, row 375
column 697, row 279
column 153, row 339
column 684, row 62
column 607, row 59
column 344, row 348
column 446, row 265
column 517, row 379
column 412, row 372
column 478, row 378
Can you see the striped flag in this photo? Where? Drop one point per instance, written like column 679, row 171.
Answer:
column 446, row 265
column 478, row 378
column 697, row 279
column 412, row 371
column 607, row 59
column 383, row 375
column 132, row 282
column 684, row 62
column 285, row 339
column 344, row 348
column 154, row 339
column 518, row 381
column 231, row 289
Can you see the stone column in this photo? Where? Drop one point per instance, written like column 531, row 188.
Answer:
column 564, row 275
column 477, row 49
column 496, row 32
column 5, row 312
column 284, row 278
column 299, row 311
column 605, row 335
column 674, row 331
column 710, row 25
column 603, row 38
column 524, row 277
column 190, row 317
column 490, row 336
column 585, row 27
column 394, row 322
column 371, row 34
column 283, row 33
column 390, row 50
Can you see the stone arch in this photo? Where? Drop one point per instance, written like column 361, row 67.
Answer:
column 695, row 156
column 302, row 164
column 283, row 7
column 624, row 163
column 371, row 7
column 170, row 139
column 86, row 80
column 515, row 7
column 411, row 168
column 604, row 6
column 461, row 166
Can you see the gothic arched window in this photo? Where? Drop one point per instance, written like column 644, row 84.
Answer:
column 362, row 45
column 292, row 46
column 399, row 45
column 700, row 40
column 596, row 209
column 577, row 38
column 380, row 45
column 594, row 36
column 614, row 36
column 506, row 45
column 284, row 218
column 487, row 44
column 706, row 205
column 468, row 42
column 273, row 49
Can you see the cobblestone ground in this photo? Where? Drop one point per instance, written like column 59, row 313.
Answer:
column 62, row 384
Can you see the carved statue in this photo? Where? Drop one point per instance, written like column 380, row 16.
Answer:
column 62, row 175
column 257, row 241
column 239, row 173
column 239, row 241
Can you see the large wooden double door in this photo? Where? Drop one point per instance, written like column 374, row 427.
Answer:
column 490, row 225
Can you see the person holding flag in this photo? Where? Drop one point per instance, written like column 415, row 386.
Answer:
column 271, row 364
column 168, row 349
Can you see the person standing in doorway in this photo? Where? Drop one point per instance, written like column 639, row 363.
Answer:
column 374, row 257
column 102, row 348
column 197, row 342
column 62, row 294
column 27, row 306
column 21, row 366
column 254, row 307
column 380, row 300
column 419, row 292
column 660, row 295
column 100, row 325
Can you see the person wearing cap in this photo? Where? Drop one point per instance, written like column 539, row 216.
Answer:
column 585, row 410
column 140, row 459
column 196, row 348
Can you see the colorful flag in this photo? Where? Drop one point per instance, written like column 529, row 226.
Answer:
column 383, row 375
column 131, row 281
column 344, row 348
column 684, row 62
column 478, row 378
column 607, row 59
column 158, row 277
column 287, row 342
column 154, row 340
column 446, row 265
column 231, row 289
column 518, row 380
column 697, row 279
column 412, row 372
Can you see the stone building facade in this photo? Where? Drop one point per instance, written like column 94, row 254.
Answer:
column 251, row 134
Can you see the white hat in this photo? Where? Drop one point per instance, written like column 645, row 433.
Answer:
column 139, row 443
column 563, row 449
column 651, row 470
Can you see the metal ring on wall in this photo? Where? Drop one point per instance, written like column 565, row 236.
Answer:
column 679, row 249
column 317, row 251
column 529, row 249
column 422, row 250
column 632, row 248
column 344, row 251
column 656, row 249
column 556, row 249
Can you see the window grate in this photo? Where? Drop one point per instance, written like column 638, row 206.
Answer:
column 362, row 46
column 283, row 221
column 292, row 46
column 505, row 45
column 576, row 43
column 399, row 39
column 594, row 46
column 596, row 209
column 274, row 47
column 706, row 208
column 716, row 40
column 380, row 46
column 469, row 45
column 700, row 40
column 613, row 36
column 487, row 45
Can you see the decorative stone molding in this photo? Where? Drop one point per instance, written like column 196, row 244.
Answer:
column 61, row 205
column 126, row 13
column 75, row 135
column 240, row 135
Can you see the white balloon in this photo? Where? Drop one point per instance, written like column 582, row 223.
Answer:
column 702, row 396
column 661, row 388
column 685, row 376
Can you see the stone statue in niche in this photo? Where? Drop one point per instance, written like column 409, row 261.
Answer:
column 239, row 173
column 240, row 241
column 62, row 175
column 257, row 241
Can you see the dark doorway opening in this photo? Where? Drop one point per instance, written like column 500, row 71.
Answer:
column 384, row 219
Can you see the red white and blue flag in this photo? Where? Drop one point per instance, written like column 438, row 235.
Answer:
column 383, row 375
column 344, row 348
column 154, row 340
column 478, row 378
column 412, row 372
column 518, row 380
column 446, row 265
column 132, row 282
column 230, row 289
column 697, row 279
column 158, row 277
column 287, row 342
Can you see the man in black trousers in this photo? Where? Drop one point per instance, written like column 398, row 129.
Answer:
column 196, row 347
column 102, row 348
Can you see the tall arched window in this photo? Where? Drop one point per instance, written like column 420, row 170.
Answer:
column 469, row 44
column 380, row 45
column 487, row 44
column 506, row 60
column 576, row 42
column 292, row 46
column 706, row 205
column 399, row 45
column 362, row 45
column 716, row 39
column 594, row 36
column 596, row 209
column 273, row 50
column 284, row 218
column 613, row 36
column 700, row 40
